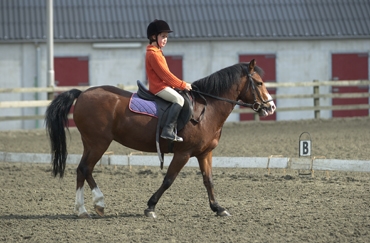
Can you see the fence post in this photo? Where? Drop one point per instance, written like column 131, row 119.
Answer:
column 316, row 100
column 256, row 116
column 50, row 95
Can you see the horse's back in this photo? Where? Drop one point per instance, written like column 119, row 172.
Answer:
column 107, row 91
column 97, row 105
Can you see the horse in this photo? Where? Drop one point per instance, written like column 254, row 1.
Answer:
column 101, row 115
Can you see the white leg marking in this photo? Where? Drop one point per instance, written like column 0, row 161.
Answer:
column 98, row 197
column 79, row 204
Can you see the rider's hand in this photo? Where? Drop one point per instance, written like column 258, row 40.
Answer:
column 188, row 87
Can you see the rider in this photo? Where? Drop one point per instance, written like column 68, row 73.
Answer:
column 161, row 81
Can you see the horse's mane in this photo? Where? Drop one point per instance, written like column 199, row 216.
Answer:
column 222, row 80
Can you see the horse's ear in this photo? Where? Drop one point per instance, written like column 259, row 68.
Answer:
column 252, row 64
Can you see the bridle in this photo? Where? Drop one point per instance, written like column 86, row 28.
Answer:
column 256, row 106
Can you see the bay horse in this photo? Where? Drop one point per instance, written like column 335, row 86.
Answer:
column 101, row 115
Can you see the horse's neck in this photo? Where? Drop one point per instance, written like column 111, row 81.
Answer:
column 220, row 110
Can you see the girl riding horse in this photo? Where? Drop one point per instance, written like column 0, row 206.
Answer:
column 161, row 80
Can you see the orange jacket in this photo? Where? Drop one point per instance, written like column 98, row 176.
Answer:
column 159, row 75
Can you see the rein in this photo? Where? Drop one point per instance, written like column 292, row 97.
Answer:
column 230, row 101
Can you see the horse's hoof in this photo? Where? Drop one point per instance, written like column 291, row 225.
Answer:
column 84, row 216
column 223, row 213
column 99, row 210
column 150, row 213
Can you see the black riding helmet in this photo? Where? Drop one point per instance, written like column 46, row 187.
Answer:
column 155, row 28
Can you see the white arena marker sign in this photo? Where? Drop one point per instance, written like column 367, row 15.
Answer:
column 305, row 145
column 305, row 148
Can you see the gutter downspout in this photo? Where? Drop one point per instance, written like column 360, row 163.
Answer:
column 50, row 47
column 37, row 81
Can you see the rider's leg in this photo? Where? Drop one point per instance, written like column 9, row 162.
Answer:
column 171, row 95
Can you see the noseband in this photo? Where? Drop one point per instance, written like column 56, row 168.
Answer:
column 256, row 106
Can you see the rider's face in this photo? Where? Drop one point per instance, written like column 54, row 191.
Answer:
column 162, row 39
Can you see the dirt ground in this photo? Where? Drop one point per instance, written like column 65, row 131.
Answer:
column 282, row 206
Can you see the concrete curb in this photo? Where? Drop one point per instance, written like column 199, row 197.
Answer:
column 302, row 163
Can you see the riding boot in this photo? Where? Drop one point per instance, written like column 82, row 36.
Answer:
column 171, row 124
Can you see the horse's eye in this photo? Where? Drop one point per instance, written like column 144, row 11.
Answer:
column 259, row 84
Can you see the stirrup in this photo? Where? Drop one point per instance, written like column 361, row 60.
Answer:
column 178, row 139
column 173, row 138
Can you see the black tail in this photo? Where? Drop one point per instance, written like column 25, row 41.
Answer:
column 56, row 119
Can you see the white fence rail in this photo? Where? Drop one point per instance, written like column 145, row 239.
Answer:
column 315, row 95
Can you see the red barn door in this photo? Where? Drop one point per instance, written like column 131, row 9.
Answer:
column 175, row 65
column 353, row 66
column 71, row 71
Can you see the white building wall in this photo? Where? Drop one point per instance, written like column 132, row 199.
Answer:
column 11, row 77
column 296, row 61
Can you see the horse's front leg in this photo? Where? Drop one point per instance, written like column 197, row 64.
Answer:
column 177, row 163
column 205, row 165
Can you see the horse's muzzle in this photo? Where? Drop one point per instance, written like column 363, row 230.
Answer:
column 267, row 109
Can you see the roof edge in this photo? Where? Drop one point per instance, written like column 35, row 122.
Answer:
column 39, row 41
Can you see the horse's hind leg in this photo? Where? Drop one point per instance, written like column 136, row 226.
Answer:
column 84, row 172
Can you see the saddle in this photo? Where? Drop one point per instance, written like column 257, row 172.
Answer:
column 162, row 113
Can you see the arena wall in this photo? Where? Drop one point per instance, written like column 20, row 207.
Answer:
column 24, row 65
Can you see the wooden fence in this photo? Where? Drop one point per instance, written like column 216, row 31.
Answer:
column 315, row 96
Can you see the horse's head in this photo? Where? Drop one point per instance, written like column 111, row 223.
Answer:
column 255, row 92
